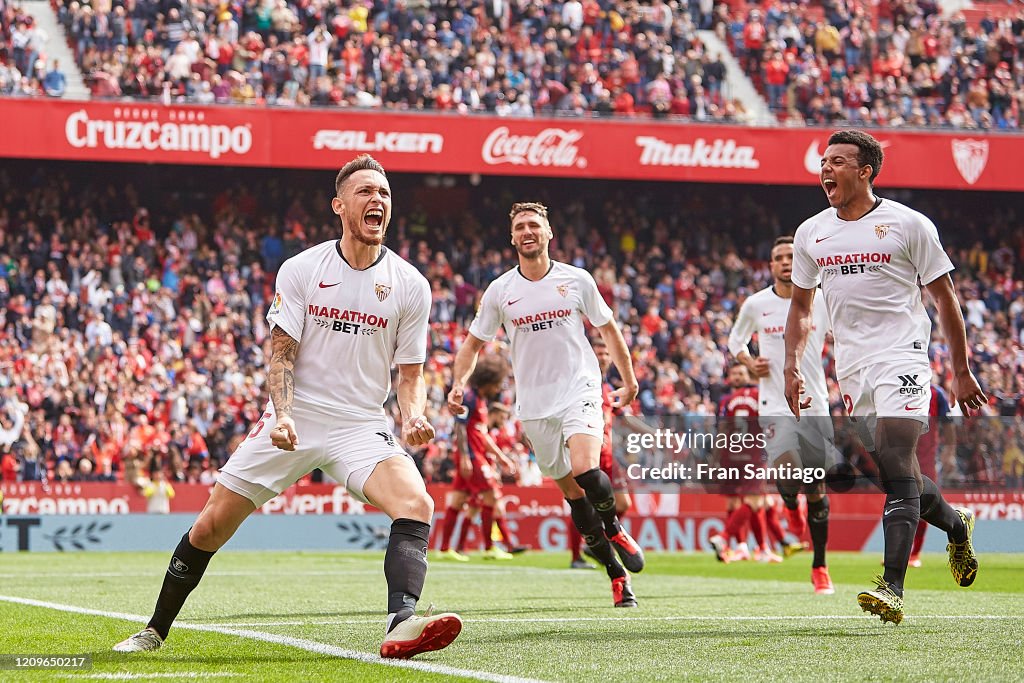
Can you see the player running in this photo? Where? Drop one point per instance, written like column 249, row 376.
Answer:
column 745, row 499
column 869, row 254
column 344, row 312
column 608, row 463
column 542, row 304
column 799, row 445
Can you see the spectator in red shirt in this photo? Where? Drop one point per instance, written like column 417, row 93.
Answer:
column 776, row 76
column 754, row 36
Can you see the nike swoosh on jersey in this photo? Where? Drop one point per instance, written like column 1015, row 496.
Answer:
column 822, row 239
column 323, row 286
column 764, row 315
column 514, row 301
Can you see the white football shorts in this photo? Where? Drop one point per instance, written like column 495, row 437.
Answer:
column 887, row 389
column 811, row 441
column 346, row 449
column 550, row 435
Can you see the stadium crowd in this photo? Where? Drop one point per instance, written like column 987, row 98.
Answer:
column 509, row 58
column 895, row 62
column 131, row 340
column 23, row 71
column 902, row 64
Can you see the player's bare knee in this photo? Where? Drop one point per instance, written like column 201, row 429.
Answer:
column 570, row 489
column 420, row 508
column 204, row 536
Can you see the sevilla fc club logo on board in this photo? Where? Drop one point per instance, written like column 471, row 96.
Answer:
column 881, row 231
column 382, row 291
column 563, row 290
column 970, row 157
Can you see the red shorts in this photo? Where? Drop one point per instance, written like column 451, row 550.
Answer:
column 611, row 467
column 483, row 479
column 926, row 457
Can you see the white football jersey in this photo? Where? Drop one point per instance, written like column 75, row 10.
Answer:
column 766, row 313
column 870, row 272
column 552, row 360
column 351, row 325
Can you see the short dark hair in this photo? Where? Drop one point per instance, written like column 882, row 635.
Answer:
column 490, row 370
column 869, row 150
column 782, row 239
column 520, row 207
column 363, row 162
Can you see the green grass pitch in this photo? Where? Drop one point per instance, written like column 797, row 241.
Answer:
column 308, row 616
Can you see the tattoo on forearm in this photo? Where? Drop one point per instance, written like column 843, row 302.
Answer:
column 281, row 378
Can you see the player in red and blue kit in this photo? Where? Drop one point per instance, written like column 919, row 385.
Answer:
column 475, row 475
column 738, row 412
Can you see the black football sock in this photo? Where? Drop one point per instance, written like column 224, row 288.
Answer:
column 817, row 524
column 405, row 568
column 900, row 516
column 790, row 500
column 598, row 488
column 588, row 523
column 183, row 574
column 937, row 512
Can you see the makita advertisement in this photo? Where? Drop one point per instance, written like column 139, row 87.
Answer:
column 634, row 149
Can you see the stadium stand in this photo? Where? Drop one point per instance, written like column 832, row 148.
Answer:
column 838, row 61
column 132, row 328
column 508, row 58
column 24, row 68
column 893, row 63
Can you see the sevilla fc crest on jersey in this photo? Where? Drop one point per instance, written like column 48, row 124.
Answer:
column 382, row 291
column 881, row 231
column 563, row 290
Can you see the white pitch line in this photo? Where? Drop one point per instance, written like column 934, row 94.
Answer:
column 447, row 569
column 688, row 617
column 300, row 643
column 123, row 676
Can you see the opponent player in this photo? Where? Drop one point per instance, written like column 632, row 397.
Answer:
column 541, row 304
column 869, row 254
column 504, row 436
column 475, row 474
column 343, row 313
column 788, row 443
column 737, row 412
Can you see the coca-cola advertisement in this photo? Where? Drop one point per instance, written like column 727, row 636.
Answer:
column 628, row 149
column 551, row 147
